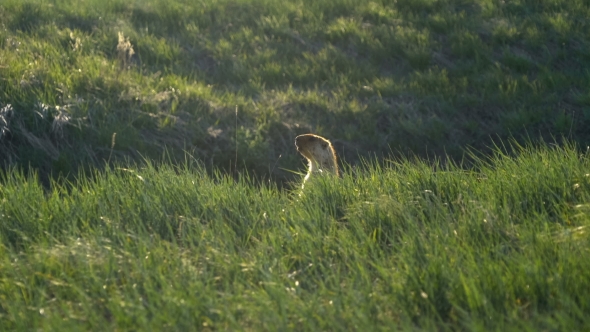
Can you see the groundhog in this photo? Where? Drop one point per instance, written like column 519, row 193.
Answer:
column 319, row 153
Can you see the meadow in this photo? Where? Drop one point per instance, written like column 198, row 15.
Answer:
column 149, row 180
column 234, row 81
column 408, row 246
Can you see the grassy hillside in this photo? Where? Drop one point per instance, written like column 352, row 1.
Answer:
column 218, row 86
column 425, row 76
column 503, row 246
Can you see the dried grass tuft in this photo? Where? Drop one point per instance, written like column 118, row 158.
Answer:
column 124, row 51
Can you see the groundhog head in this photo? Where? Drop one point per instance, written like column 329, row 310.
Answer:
column 318, row 151
column 310, row 146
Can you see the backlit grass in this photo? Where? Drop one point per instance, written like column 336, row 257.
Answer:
column 209, row 240
column 409, row 245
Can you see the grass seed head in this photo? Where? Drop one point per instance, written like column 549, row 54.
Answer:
column 124, row 50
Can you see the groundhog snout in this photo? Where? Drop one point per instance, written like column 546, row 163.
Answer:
column 301, row 139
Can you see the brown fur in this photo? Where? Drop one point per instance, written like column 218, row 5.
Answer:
column 319, row 153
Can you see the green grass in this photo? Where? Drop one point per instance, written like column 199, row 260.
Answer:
column 408, row 245
column 95, row 235
column 428, row 77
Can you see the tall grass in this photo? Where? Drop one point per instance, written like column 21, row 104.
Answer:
column 403, row 245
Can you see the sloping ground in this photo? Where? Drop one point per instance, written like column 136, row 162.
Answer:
column 422, row 76
column 502, row 246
